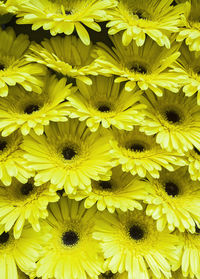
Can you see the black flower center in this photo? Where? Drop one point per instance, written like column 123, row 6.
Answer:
column 172, row 116
column 171, row 189
column 104, row 108
column 196, row 151
column 107, row 275
column 2, row 67
column 68, row 153
column 31, row 108
column 4, row 237
column 136, row 232
column 138, row 68
column 70, row 238
column 2, row 145
column 197, row 230
column 137, row 147
column 105, row 185
column 26, row 189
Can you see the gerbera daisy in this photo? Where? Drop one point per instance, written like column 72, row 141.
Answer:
column 131, row 243
column 188, row 65
column 106, row 103
column 22, row 252
column 191, row 30
column 193, row 160
column 29, row 110
column 122, row 191
column 174, row 119
column 68, row 56
column 147, row 66
column 190, row 257
column 68, row 155
column 140, row 154
column 71, row 252
column 14, row 69
column 12, row 163
column 156, row 19
column 61, row 16
column 174, row 201
column 21, row 202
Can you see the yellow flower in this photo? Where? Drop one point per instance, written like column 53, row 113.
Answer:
column 122, row 191
column 71, row 252
column 147, row 66
column 14, row 69
column 29, row 110
column 131, row 243
column 12, row 163
column 61, row 16
column 106, row 103
column 21, row 202
column 68, row 56
column 138, row 18
column 140, row 154
column 69, row 156
column 174, row 119
column 174, row 201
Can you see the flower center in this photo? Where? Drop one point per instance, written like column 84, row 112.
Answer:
column 2, row 145
column 172, row 116
column 70, row 238
column 138, row 68
column 141, row 14
column 196, row 151
column 67, row 12
column 2, row 67
column 4, row 237
column 31, row 108
column 171, row 189
column 26, row 189
column 107, row 275
column 136, row 232
column 68, row 153
column 137, row 147
column 105, row 185
column 104, row 108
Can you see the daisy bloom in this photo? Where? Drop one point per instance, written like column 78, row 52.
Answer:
column 140, row 154
column 64, row 16
column 29, row 110
column 147, row 66
column 188, row 65
column 21, row 202
column 22, row 252
column 106, row 103
column 190, row 257
column 156, row 19
column 71, row 251
column 174, row 119
column 12, row 163
column 68, row 56
column 131, row 243
column 14, row 69
column 191, row 30
column 193, row 160
column 69, row 156
column 174, row 201
column 122, row 191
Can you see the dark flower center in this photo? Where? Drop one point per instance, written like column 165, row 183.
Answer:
column 4, row 237
column 68, row 153
column 105, row 184
column 137, row 147
column 67, row 12
column 107, row 275
column 172, row 116
column 138, row 68
column 31, row 108
column 171, row 189
column 70, row 238
column 197, row 230
column 104, row 108
column 136, row 232
column 26, row 189
column 196, row 151
column 2, row 145
column 2, row 67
